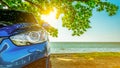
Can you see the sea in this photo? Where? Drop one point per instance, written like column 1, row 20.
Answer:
column 84, row 47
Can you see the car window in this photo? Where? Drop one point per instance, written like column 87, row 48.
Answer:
column 4, row 23
column 10, row 17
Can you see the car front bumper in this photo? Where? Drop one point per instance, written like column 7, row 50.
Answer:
column 19, row 56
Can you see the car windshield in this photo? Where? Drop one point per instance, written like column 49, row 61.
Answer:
column 10, row 17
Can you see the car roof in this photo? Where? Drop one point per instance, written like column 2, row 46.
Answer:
column 16, row 16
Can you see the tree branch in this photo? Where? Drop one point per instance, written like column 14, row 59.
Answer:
column 34, row 4
column 4, row 3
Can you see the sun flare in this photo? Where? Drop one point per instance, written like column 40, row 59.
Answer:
column 51, row 18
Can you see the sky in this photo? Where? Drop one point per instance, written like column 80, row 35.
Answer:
column 104, row 28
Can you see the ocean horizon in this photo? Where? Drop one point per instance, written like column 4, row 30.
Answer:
column 84, row 47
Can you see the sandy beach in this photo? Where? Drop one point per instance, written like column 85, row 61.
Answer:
column 81, row 60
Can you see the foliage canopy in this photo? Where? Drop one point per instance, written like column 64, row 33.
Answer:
column 76, row 12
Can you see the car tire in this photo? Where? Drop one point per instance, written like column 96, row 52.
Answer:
column 41, row 63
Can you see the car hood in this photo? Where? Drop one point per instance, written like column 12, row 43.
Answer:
column 9, row 30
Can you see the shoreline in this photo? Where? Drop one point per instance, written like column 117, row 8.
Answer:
column 86, row 60
column 81, row 60
column 92, row 54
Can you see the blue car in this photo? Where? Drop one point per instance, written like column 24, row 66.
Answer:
column 22, row 40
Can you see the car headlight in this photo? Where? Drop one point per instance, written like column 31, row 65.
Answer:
column 28, row 38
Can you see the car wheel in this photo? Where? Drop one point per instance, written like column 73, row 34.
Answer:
column 41, row 63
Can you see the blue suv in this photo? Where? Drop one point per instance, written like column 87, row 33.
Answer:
column 22, row 40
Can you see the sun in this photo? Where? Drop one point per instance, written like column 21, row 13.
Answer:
column 51, row 18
